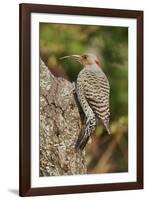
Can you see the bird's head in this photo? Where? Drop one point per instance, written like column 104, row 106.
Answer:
column 86, row 59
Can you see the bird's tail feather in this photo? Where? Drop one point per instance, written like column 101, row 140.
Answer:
column 82, row 140
column 85, row 133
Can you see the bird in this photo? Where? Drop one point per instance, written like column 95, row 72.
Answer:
column 93, row 91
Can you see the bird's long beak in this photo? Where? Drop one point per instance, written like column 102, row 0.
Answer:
column 74, row 57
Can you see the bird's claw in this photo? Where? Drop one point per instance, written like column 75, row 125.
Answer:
column 73, row 90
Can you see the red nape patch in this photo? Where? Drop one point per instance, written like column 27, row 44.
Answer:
column 97, row 62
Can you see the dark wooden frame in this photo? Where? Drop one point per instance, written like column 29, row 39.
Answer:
column 25, row 99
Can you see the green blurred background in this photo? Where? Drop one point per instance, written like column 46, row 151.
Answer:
column 110, row 44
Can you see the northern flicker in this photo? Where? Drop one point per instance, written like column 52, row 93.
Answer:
column 92, row 89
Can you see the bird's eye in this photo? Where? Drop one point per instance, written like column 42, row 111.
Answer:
column 85, row 57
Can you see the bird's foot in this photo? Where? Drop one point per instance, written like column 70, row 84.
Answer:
column 72, row 91
column 73, row 88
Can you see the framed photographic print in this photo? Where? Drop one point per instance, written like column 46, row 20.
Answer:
column 81, row 99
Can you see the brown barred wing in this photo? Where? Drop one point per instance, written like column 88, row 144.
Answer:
column 96, row 90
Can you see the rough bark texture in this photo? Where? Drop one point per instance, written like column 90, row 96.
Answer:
column 60, row 125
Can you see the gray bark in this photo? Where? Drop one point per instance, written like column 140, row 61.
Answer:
column 60, row 125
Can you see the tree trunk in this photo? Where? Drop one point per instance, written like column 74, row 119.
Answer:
column 60, row 125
